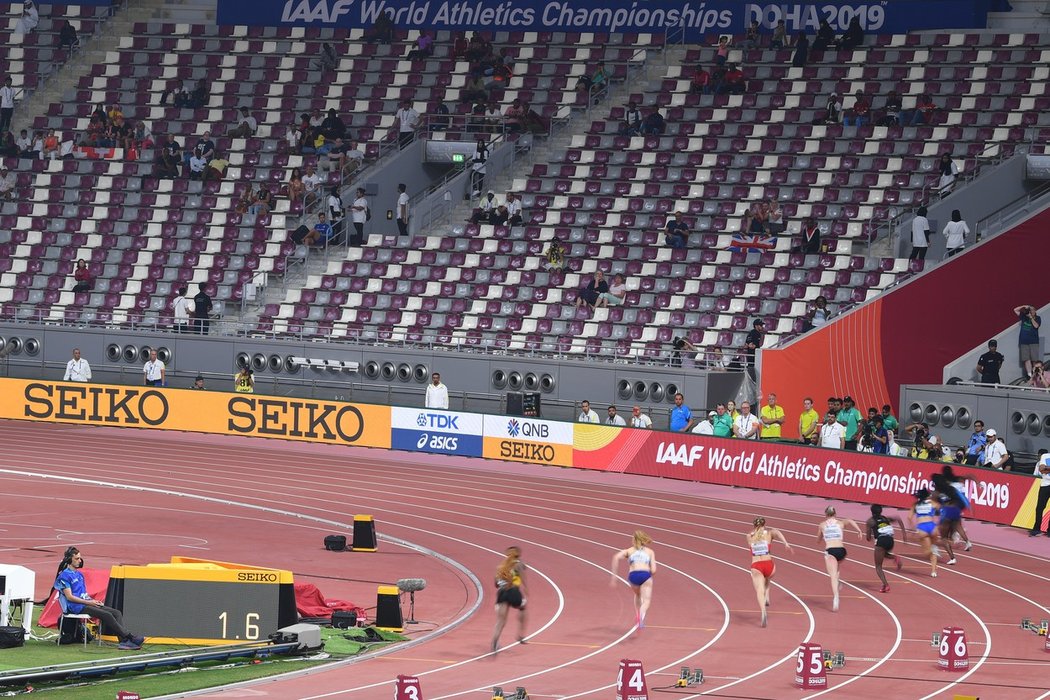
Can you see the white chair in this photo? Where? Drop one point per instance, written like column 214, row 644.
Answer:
column 82, row 620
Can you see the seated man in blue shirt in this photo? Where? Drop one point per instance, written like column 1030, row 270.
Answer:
column 74, row 599
column 677, row 231
column 321, row 233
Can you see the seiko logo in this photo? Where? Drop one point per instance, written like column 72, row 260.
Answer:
column 96, row 404
column 526, row 451
column 257, row 577
column 315, row 11
column 325, row 421
column 684, row 455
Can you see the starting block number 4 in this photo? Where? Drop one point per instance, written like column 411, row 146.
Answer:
column 407, row 688
column 630, row 681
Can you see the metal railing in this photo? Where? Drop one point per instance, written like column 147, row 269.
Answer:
column 995, row 221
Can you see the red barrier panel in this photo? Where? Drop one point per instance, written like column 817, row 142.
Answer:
column 999, row 497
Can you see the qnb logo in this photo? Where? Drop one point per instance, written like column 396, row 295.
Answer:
column 327, row 11
column 442, row 443
column 513, row 428
column 437, row 421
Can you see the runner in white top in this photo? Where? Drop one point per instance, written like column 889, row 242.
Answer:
column 762, row 566
column 830, row 532
column 77, row 369
column 641, row 565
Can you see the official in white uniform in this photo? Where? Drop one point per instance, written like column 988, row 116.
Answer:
column 77, row 369
column 153, row 371
column 437, row 393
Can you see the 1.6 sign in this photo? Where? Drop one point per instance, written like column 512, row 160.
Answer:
column 630, row 681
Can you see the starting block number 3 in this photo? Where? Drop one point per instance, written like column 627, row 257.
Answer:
column 407, row 688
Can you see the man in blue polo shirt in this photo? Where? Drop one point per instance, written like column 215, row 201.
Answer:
column 681, row 416
column 74, row 599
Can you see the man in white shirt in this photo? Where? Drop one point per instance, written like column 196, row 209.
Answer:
column 513, row 209
column 7, row 105
column 153, row 371
column 705, row 427
column 920, row 235
column 1042, row 470
column 437, row 393
column 587, row 415
column 246, row 126
column 832, row 433
column 77, row 369
column 615, row 419
column 311, row 184
column 996, row 455
column 359, row 215
column 402, row 209
column 746, row 425
column 7, row 183
column 181, row 307
column 406, row 119
column 639, row 419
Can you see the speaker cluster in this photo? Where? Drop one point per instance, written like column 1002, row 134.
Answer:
column 19, row 346
column 640, row 390
column 943, row 415
column 527, row 381
column 135, row 354
column 400, row 371
column 261, row 362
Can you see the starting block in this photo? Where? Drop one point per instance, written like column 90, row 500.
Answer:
column 687, row 678
column 935, row 640
column 1041, row 629
column 519, row 694
column 834, row 660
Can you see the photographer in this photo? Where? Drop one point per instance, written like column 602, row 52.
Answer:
column 920, row 436
column 244, row 382
column 682, row 345
column 1039, row 378
column 1028, row 338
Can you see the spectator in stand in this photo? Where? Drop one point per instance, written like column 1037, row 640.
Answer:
column 7, row 104
column 996, row 456
column 615, row 419
column 654, row 124
column 440, row 117
column 475, row 90
column 1028, row 338
column 402, row 209
column 459, row 46
column 423, row 48
column 639, row 419
column 853, row 37
column 311, row 185
column 198, row 97
column 888, row 419
column 808, row 423
column 51, row 145
column 752, row 37
column 359, row 215
column 293, row 136
column 759, row 224
column 715, row 360
column 975, row 446
column 706, row 426
column 587, row 415
column 491, row 117
column 321, row 233
column 859, row 112
column 780, row 38
column 880, row 439
column 817, row 316
column 747, row 425
column 143, row 137
column 956, row 231
column 333, row 127
column 29, row 20
column 246, row 125
column 514, row 117
column 513, row 210
column 326, row 60
column 202, row 307
column 772, row 418
column 722, row 423
column 197, row 165
column 801, row 56
column 825, row 37
column 616, row 294
column 67, row 36
column 832, row 434
column 478, row 48
column 534, row 121
column 850, row 419
column 486, row 209
column 336, row 213
column 382, row 30
column 755, row 337
column 920, row 235
column 477, row 167
column 833, row 109
column 84, row 281
column 722, row 50
column 700, row 82
column 343, row 153
column 631, row 125
column 555, row 255
column 923, row 112
column 676, row 234
column 296, row 188
column 596, row 82
column 25, row 145
column 180, row 307
column 810, row 232
column 406, row 119
column 8, row 147
column 1039, row 379
column 733, row 81
column 7, row 183
column 246, row 200
column 775, row 216
column 948, row 171
column 681, row 416
column 892, row 110
column 595, row 288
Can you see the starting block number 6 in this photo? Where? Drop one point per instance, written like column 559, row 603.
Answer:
column 960, row 646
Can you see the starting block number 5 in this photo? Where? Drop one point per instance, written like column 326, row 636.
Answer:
column 630, row 681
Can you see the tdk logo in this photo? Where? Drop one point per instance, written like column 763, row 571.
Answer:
column 327, row 11
column 446, row 443
column 437, row 421
column 513, row 428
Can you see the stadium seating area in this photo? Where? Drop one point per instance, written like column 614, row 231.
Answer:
column 31, row 57
column 607, row 196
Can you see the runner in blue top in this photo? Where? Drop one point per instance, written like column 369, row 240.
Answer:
column 924, row 518
column 641, row 565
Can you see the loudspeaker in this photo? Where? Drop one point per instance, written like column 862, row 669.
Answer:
column 344, row 619
column 335, row 543
column 364, row 534
column 388, row 609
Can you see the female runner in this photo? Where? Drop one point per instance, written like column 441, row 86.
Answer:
column 880, row 528
column 830, row 531
column 958, row 482
column 762, row 566
column 924, row 519
column 951, row 512
column 641, row 565
column 510, row 593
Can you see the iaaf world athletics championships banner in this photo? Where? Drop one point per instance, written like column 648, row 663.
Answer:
column 697, row 19
column 999, row 497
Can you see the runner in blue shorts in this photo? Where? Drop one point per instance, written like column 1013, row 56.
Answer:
column 924, row 518
column 951, row 512
column 641, row 565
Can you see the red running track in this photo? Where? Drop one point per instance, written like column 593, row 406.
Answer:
column 569, row 523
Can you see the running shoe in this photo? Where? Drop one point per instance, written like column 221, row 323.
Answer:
column 128, row 645
column 900, row 563
column 885, row 588
column 1034, row 533
column 968, row 547
column 936, row 551
column 138, row 641
column 933, row 574
column 835, row 604
column 764, row 618
column 951, row 562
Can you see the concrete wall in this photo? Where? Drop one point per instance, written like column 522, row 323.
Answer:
column 386, row 374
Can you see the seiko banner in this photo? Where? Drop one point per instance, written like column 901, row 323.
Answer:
column 532, row 440
column 695, row 19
